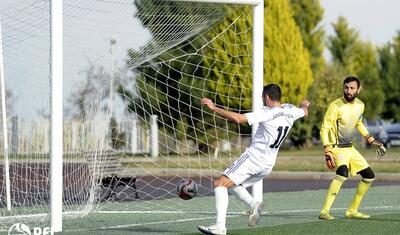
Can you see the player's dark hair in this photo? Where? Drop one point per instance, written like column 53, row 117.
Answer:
column 351, row 79
column 273, row 91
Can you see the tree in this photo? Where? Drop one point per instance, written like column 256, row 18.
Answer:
column 358, row 58
column 94, row 95
column 371, row 84
column 342, row 45
column 228, row 54
column 286, row 61
column 389, row 61
column 170, row 84
column 324, row 90
column 230, row 77
column 89, row 97
column 308, row 15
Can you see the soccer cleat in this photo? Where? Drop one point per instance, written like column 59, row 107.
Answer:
column 356, row 215
column 212, row 230
column 326, row 216
column 255, row 214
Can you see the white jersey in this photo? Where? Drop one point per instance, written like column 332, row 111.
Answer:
column 273, row 126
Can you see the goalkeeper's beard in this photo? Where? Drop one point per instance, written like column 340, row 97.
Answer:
column 349, row 97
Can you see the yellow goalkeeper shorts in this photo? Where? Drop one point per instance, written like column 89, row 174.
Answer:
column 350, row 157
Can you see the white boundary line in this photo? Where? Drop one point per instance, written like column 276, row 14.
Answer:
column 43, row 215
column 336, row 209
column 229, row 214
column 142, row 224
column 39, row 215
column 162, row 212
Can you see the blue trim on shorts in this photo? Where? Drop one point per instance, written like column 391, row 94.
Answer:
column 236, row 165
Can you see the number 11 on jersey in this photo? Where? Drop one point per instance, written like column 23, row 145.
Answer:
column 282, row 132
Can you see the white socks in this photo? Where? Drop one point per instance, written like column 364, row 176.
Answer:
column 221, row 205
column 244, row 195
column 222, row 199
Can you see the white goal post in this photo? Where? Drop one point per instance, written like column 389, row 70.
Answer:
column 56, row 99
column 4, row 124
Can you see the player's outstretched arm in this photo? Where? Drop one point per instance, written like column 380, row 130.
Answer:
column 232, row 116
column 304, row 105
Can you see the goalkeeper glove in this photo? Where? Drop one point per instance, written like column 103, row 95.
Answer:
column 381, row 150
column 329, row 157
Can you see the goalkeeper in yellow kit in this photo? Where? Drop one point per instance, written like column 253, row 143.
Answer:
column 343, row 116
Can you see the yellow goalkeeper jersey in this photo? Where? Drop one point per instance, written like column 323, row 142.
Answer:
column 340, row 121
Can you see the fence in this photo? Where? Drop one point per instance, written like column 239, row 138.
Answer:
column 92, row 135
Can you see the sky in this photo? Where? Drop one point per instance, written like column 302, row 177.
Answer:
column 376, row 20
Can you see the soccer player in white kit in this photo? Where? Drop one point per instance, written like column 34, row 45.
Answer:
column 274, row 122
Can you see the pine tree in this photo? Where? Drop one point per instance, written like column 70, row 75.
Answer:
column 286, row 61
column 324, row 90
column 389, row 61
column 343, row 44
column 358, row 58
column 169, row 87
column 308, row 15
column 371, row 84
column 230, row 60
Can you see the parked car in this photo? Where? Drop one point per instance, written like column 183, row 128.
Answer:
column 377, row 129
column 387, row 132
column 393, row 139
column 393, row 132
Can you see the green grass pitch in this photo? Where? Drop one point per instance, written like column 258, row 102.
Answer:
column 285, row 213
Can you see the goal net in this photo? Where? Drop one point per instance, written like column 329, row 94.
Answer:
column 134, row 74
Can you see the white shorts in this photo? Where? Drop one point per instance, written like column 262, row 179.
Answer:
column 245, row 172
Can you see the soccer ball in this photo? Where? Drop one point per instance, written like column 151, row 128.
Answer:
column 186, row 189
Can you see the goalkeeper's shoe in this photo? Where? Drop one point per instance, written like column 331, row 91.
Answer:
column 255, row 214
column 355, row 215
column 212, row 230
column 326, row 216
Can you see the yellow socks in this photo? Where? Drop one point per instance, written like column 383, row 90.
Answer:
column 362, row 188
column 332, row 192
